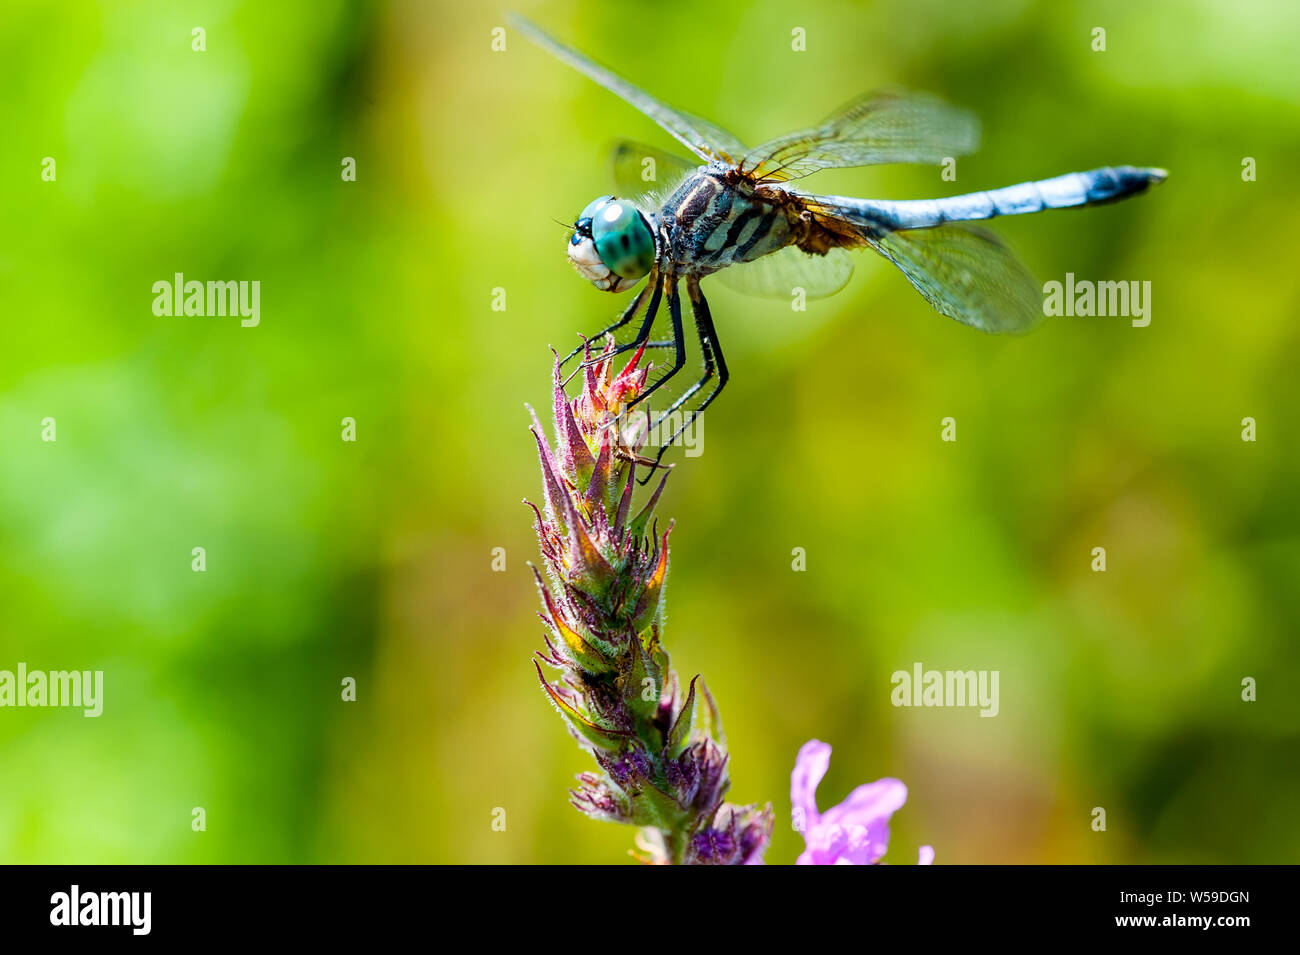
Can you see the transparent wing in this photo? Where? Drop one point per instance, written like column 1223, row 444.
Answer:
column 882, row 127
column 779, row 274
column 640, row 169
column 967, row 274
column 707, row 141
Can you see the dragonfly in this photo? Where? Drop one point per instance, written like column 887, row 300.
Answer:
column 736, row 212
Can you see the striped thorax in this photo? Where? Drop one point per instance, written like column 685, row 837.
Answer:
column 712, row 221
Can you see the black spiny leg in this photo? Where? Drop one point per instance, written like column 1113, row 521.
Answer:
column 679, row 339
column 712, row 351
column 626, row 317
column 707, row 347
column 643, row 333
column 709, row 334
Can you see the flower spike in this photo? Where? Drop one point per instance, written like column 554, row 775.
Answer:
column 662, row 759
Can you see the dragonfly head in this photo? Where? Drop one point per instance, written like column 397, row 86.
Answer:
column 613, row 245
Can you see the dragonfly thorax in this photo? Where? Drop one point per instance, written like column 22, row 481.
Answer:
column 613, row 244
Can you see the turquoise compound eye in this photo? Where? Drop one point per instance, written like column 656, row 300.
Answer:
column 623, row 240
column 593, row 207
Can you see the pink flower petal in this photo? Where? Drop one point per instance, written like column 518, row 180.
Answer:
column 809, row 769
column 856, row 832
column 869, row 803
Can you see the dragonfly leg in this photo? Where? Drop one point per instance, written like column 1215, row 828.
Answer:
column 628, row 314
column 709, row 337
column 679, row 340
column 714, row 363
column 593, row 362
column 628, row 347
column 642, row 334
column 709, row 372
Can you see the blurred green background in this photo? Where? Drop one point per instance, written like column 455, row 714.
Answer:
column 373, row 559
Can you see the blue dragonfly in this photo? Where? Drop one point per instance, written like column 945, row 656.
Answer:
column 734, row 211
